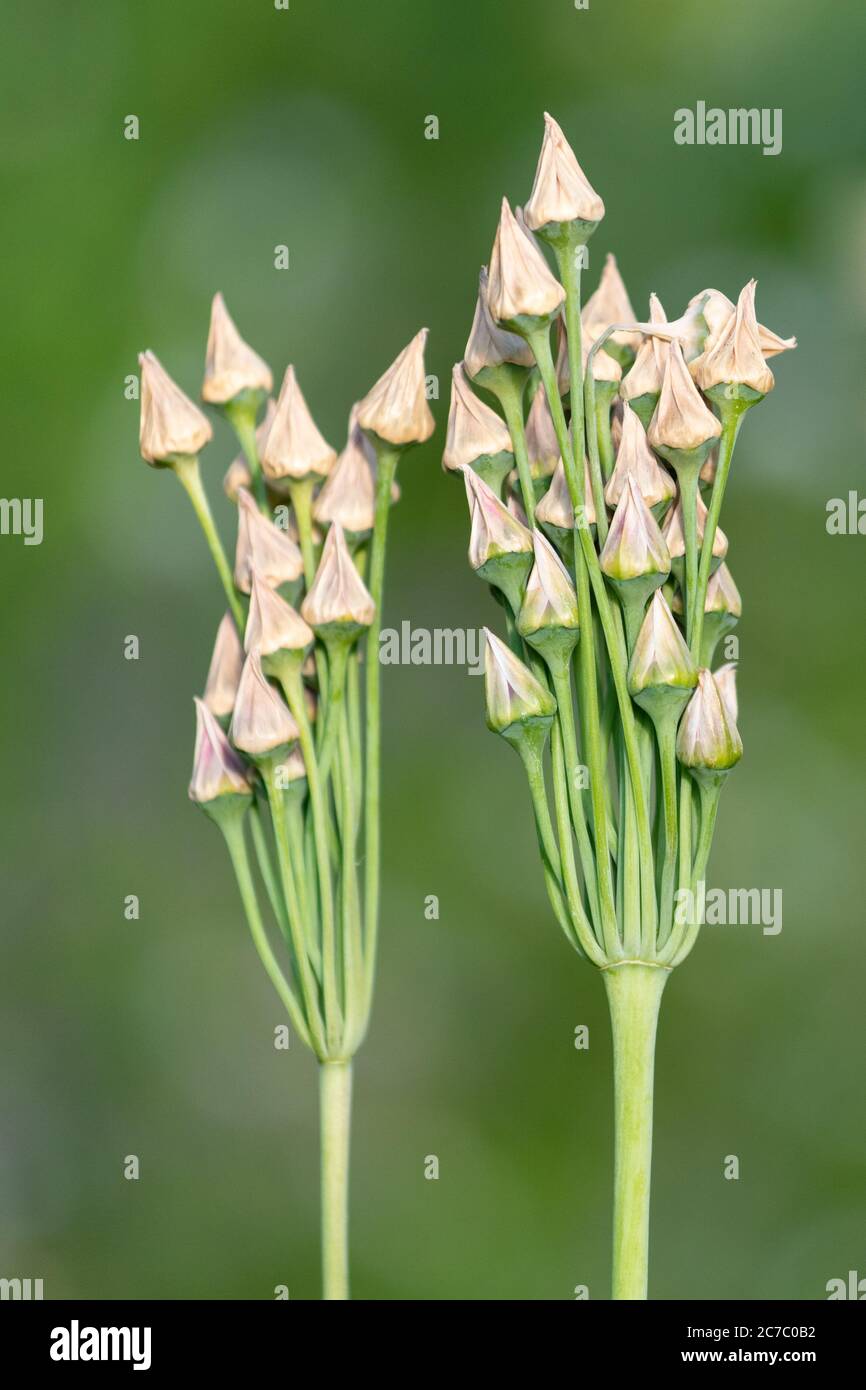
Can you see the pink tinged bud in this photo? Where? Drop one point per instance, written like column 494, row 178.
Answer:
column 549, row 607
column 349, row 495
column 474, row 430
column 542, row 446
column 171, row 424
column 396, row 408
column 635, row 547
column 489, row 346
column 231, row 366
column 726, row 684
column 273, row 625
column 338, row 598
column 516, row 509
column 735, row 356
column 294, row 448
column 723, row 596
column 555, row 509
column 682, row 422
column 708, row 740
column 660, row 660
column 263, row 548
column 216, row 769
column 635, row 459
column 224, row 672
column 515, row 699
column 674, row 533
column 521, row 285
column 495, row 532
column 645, row 375
column 261, row 722
column 561, row 192
column 610, row 304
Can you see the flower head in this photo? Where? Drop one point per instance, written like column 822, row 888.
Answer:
column 171, row 424
column 231, row 366
column 261, row 722
column 735, row 356
column 489, row 346
column 338, row 598
column 521, row 285
column 708, row 740
column 216, row 768
column 495, row 532
column 262, row 547
column 681, row 422
column 349, row 495
column 224, row 671
column 515, row 699
column 561, row 192
column 474, row 430
column 294, row 448
column 396, row 408
column 717, row 310
column 548, row 619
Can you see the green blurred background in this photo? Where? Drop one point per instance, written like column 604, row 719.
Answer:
column 155, row 1037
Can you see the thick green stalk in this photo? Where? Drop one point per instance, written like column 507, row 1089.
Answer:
column 189, row 475
column 335, row 1101
column 634, row 992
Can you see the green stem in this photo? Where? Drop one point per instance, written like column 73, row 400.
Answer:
column 688, row 481
column 242, row 416
column 634, row 992
column 509, row 393
column 335, row 1101
column 301, row 493
column 189, row 475
column 731, row 413
column 666, row 732
column 565, row 715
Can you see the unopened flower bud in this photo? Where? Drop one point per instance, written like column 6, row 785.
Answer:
column 722, row 611
column 490, row 347
column 224, row 671
column 555, row 512
column 661, row 673
column 610, row 304
column 726, row 683
column 231, row 366
column 735, row 357
column 635, row 459
column 516, row 701
column 261, row 723
column 500, row 547
column 171, row 424
column 349, row 495
column 294, row 447
column 477, row 436
column 396, row 409
column 682, row 424
column 273, row 626
column 642, row 384
column 708, row 742
column 262, row 547
column 635, row 547
column 522, row 292
column 217, row 771
column 675, row 539
column 561, row 194
column 548, row 619
column 338, row 604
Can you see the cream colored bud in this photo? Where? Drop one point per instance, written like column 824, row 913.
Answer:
column 610, row 304
column 635, row 459
column 263, row 548
column 723, row 596
column 735, row 355
column 542, row 446
column 635, row 547
column 474, row 430
column 660, row 658
column 561, row 192
column 515, row 506
column 294, row 447
column 489, row 346
column 726, row 684
column 224, row 671
column 261, row 722
column 273, row 625
column 171, row 424
column 644, row 378
column 349, row 495
column 216, row 768
column 555, row 508
column 674, row 532
column 338, row 597
column 513, row 695
column 521, row 285
column 495, row 531
column 550, row 601
column 682, row 422
column 396, row 408
column 708, row 740
column 231, row 366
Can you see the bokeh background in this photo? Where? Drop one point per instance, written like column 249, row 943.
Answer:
column 155, row 1037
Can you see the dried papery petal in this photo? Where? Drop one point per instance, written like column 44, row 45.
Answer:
column 224, row 671
column 262, row 547
column 521, row 285
column 261, row 722
column 635, row 546
column 717, row 311
column 635, row 459
column 674, row 533
column 682, row 422
column 474, row 430
column 396, row 408
column 735, row 355
column 708, row 739
column 216, row 768
column 272, row 624
column 294, row 447
column 610, row 304
column 561, row 192
column 231, row 365
column 513, row 695
column 489, row 346
column 726, row 684
column 338, row 597
column 171, row 424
